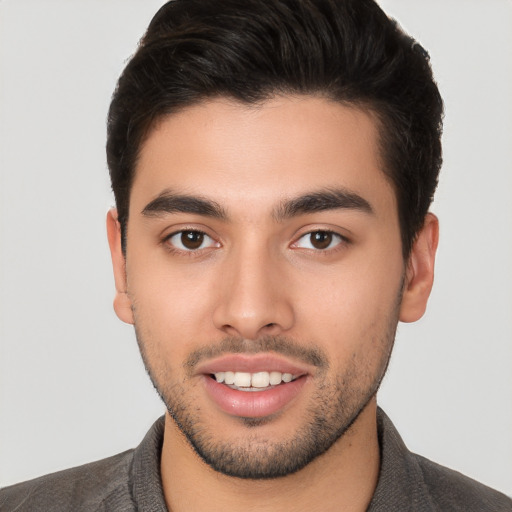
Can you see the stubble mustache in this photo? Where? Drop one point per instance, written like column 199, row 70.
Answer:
column 279, row 345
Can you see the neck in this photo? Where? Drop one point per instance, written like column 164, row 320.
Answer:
column 342, row 479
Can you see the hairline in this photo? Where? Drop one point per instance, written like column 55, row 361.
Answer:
column 366, row 106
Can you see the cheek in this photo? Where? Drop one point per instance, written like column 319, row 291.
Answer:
column 171, row 307
column 351, row 311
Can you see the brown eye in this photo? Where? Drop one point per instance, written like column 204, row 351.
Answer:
column 190, row 240
column 319, row 240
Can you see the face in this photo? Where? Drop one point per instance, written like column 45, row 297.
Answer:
column 264, row 276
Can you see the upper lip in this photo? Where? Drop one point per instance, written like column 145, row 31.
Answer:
column 252, row 363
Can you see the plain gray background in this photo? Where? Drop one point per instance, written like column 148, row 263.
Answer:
column 72, row 387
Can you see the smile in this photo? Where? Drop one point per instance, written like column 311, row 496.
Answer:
column 259, row 381
column 249, row 401
column 253, row 385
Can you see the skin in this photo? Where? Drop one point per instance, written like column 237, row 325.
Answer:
column 257, row 275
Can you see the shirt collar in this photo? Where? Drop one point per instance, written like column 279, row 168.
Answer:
column 400, row 485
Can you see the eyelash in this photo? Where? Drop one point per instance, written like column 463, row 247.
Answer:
column 184, row 250
column 342, row 241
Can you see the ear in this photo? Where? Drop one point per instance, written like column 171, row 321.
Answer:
column 420, row 271
column 122, row 303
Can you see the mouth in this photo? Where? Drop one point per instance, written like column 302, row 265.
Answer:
column 258, row 381
column 253, row 386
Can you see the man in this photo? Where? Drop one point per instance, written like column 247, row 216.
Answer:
column 273, row 164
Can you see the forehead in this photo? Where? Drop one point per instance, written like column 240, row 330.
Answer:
column 238, row 154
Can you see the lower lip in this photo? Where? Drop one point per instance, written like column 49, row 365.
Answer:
column 252, row 404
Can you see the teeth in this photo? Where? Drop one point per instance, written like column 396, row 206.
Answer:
column 253, row 380
column 275, row 378
column 229, row 378
column 260, row 380
column 242, row 380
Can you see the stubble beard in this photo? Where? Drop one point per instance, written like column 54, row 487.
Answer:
column 337, row 403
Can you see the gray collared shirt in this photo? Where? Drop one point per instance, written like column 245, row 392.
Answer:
column 130, row 481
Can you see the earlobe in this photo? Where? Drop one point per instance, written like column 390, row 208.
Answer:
column 122, row 302
column 420, row 271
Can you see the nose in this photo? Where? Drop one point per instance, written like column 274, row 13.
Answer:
column 254, row 299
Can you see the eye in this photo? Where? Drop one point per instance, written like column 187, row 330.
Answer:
column 319, row 240
column 190, row 240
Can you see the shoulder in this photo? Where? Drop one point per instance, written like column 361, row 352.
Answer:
column 451, row 490
column 100, row 485
column 127, row 481
column 411, row 482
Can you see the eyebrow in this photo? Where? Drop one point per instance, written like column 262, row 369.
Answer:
column 329, row 199
column 169, row 202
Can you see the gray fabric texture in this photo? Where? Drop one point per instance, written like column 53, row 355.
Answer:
column 130, row 481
